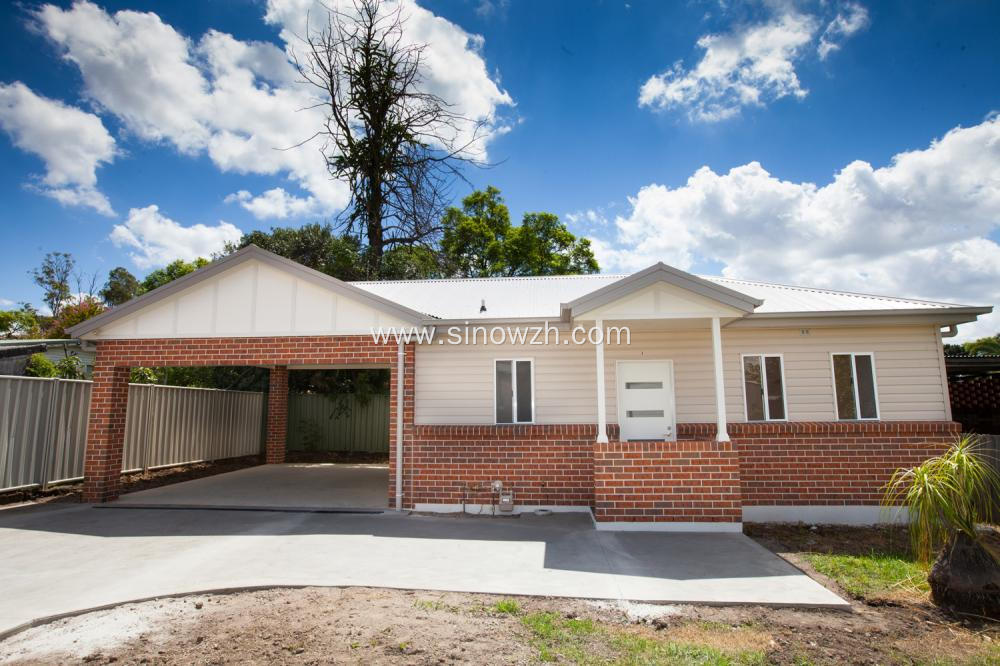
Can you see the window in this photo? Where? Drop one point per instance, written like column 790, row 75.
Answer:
column 854, row 386
column 515, row 401
column 764, row 387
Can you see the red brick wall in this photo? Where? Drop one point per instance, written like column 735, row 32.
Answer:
column 683, row 481
column 102, row 466
column 277, row 415
column 544, row 464
column 831, row 463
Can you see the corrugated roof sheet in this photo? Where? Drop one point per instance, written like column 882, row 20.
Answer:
column 540, row 297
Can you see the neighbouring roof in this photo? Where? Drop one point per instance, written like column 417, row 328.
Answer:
column 541, row 297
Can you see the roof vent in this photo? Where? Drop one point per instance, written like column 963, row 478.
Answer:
column 482, row 306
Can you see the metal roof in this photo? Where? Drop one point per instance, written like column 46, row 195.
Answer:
column 540, row 297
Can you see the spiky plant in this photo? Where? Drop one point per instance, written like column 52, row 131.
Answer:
column 947, row 497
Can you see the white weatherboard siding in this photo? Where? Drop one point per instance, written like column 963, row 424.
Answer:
column 251, row 299
column 454, row 384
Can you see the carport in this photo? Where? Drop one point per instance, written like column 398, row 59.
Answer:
column 252, row 308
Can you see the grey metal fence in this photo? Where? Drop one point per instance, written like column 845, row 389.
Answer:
column 43, row 428
column 315, row 425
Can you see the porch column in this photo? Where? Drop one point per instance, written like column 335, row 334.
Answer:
column 720, row 386
column 277, row 415
column 102, row 464
column 602, row 406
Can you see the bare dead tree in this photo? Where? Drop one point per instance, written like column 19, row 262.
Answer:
column 397, row 146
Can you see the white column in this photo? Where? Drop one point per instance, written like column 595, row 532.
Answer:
column 602, row 406
column 720, row 386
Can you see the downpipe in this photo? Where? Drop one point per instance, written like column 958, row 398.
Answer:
column 400, row 359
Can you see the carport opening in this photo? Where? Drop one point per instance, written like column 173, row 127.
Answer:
column 338, row 415
column 338, row 432
column 336, row 439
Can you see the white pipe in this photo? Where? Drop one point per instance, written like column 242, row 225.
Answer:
column 602, row 417
column 722, row 435
column 951, row 332
column 400, row 357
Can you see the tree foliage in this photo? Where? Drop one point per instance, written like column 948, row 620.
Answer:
column 53, row 277
column 171, row 272
column 396, row 145
column 479, row 241
column 121, row 287
column 314, row 245
column 73, row 314
column 39, row 366
column 19, row 323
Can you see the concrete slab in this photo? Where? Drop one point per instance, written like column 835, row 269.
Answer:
column 60, row 558
column 293, row 485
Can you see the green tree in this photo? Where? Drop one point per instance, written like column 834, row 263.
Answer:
column 121, row 286
column 70, row 367
column 473, row 235
column 313, row 245
column 19, row 323
column 40, row 366
column 53, row 277
column 410, row 262
column 478, row 240
column 397, row 146
column 983, row 346
column 542, row 245
column 171, row 272
column 73, row 314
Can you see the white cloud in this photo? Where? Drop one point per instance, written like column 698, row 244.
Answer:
column 918, row 227
column 749, row 66
column 851, row 19
column 241, row 102
column 157, row 240
column 275, row 203
column 71, row 142
column 5, row 302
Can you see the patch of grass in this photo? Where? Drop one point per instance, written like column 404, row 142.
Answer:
column 507, row 607
column 433, row 605
column 584, row 641
column 876, row 575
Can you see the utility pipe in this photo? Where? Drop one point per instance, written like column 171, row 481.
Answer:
column 951, row 332
column 400, row 359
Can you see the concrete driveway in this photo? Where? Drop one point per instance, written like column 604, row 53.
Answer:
column 57, row 559
column 292, row 485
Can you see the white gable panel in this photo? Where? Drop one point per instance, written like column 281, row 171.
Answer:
column 275, row 301
column 251, row 299
column 235, row 299
column 314, row 307
column 661, row 301
column 195, row 308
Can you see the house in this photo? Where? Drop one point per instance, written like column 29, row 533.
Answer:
column 16, row 353
column 729, row 400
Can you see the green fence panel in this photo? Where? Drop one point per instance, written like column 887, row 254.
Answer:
column 315, row 423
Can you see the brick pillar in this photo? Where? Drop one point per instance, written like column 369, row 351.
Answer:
column 102, row 466
column 277, row 415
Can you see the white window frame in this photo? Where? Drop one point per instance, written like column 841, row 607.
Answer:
column 513, row 381
column 854, row 385
column 763, row 379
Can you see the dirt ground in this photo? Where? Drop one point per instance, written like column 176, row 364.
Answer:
column 376, row 626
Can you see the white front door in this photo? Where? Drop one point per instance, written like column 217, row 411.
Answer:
column 646, row 400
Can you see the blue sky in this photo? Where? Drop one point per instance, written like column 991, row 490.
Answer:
column 757, row 140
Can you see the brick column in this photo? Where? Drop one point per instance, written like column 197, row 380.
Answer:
column 277, row 415
column 102, row 466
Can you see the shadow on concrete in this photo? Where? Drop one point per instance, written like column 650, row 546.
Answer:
column 570, row 540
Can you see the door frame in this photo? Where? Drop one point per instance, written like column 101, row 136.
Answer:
column 618, row 392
